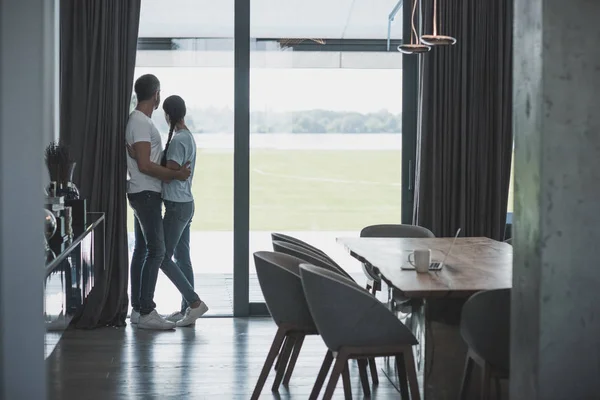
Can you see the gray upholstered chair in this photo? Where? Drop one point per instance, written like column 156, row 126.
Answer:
column 279, row 279
column 396, row 231
column 310, row 256
column 389, row 231
column 485, row 327
column 280, row 237
column 359, row 327
column 313, row 258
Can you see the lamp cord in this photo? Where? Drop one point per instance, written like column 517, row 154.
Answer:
column 414, row 30
column 434, row 17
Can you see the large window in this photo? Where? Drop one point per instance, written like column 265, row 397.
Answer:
column 325, row 124
column 325, row 148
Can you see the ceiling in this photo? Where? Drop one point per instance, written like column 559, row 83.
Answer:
column 322, row 19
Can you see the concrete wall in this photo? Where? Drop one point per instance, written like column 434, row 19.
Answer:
column 26, row 124
column 556, row 308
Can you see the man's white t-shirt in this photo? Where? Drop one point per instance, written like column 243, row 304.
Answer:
column 140, row 128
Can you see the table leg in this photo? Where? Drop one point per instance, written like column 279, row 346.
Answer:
column 440, row 355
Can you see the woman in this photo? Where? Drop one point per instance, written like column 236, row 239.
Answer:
column 179, row 210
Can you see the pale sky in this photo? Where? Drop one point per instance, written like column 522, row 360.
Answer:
column 281, row 89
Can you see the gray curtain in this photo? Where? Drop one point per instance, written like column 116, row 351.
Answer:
column 97, row 58
column 464, row 141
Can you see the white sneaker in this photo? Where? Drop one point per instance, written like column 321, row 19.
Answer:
column 192, row 314
column 155, row 322
column 135, row 317
column 175, row 316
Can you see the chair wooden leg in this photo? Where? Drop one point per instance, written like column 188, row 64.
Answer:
column 314, row 395
column 485, row 382
column 402, row 381
column 290, row 368
column 338, row 367
column 464, row 387
column 346, row 382
column 373, row 368
column 284, row 358
column 278, row 359
column 275, row 346
column 411, row 373
column 364, row 378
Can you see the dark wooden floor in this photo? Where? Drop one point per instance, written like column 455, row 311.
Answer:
column 220, row 358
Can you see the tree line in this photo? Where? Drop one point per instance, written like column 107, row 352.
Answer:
column 220, row 120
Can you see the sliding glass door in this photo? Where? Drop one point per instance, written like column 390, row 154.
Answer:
column 297, row 111
column 189, row 46
column 325, row 124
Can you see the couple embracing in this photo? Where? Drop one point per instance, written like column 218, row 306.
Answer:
column 157, row 177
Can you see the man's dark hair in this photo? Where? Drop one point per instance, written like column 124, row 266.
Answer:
column 145, row 87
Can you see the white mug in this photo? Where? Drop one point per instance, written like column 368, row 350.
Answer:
column 422, row 259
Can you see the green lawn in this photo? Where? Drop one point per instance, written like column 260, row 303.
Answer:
column 300, row 189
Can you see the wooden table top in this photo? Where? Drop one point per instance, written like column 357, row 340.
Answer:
column 475, row 264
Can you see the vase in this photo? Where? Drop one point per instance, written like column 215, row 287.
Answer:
column 62, row 174
column 68, row 190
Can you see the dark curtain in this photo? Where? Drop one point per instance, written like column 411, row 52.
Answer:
column 97, row 59
column 464, row 146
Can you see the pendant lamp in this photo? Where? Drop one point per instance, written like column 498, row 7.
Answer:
column 415, row 46
column 435, row 39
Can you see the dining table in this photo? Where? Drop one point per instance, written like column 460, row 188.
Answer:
column 436, row 298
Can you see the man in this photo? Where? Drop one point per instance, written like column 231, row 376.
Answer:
column 144, row 194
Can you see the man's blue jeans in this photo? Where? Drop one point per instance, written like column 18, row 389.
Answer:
column 149, row 249
column 176, row 225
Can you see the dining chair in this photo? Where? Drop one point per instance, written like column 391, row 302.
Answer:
column 280, row 237
column 314, row 259
column 396, row 231
column 359, row 327
column 389, row 231
column 485, row 328
column 305, row 253
column 279, row 279
column 311, row 257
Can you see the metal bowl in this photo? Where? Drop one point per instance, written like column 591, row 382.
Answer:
column 438, row 40
column 413, row 48
column 49, row 224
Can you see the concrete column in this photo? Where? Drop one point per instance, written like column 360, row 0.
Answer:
column 25, row 126
column 555, row 337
